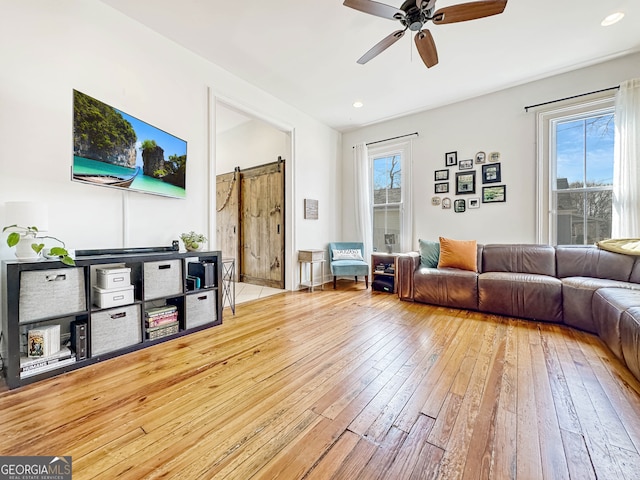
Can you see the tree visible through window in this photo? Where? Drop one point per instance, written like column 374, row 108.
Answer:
column 387, row 202
column 582, row 190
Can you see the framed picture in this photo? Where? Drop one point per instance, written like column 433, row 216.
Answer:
column 491, row 173
column 459, row 206
column 465, row 164
column 465, row 183
column 446, row 202
column 435, row 201
column 481, row 157
column 473, row 203
column 494, row 157
column 494, row 194
column 442, row 187
column 441, row 175
column 450, row 159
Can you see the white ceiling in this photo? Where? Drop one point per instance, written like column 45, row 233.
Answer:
column 304, row 52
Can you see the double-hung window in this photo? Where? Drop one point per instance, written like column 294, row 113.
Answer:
column 575, row 173
column 390, row 183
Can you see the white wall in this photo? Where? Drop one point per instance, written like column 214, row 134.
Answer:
column 495, row 122
column 248, row 145
column 51, row 48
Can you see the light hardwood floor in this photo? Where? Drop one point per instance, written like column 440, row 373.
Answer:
column 346, row 384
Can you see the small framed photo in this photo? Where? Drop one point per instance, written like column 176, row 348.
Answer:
column 481, row 157
column 465, row 164
column 442, row 187
column 491, row 173
column 450, row 159
column 473, row 203
column 446, row 202
column 459, row 206
column 494, row 157
column 435, row 201
column 465, row 183
column 494, row 194
column 441, row 175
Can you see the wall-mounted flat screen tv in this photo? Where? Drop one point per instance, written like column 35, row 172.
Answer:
column 114, row 149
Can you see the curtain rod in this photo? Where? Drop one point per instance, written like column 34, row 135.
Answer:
column 526, row 109
column 392, row 138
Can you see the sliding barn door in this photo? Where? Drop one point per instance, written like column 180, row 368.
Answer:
column 228, row 215
column 262, row 225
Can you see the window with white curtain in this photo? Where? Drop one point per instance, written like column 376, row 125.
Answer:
column 575, row 173
column 390, row 168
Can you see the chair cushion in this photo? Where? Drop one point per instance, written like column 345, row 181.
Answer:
column 347, row 254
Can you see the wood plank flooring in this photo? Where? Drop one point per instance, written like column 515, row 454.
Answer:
column 342, row 384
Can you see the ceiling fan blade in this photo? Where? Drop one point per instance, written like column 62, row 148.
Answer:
column 375, row 8
column 381, row 46
column 426, row 48
column 469, row 11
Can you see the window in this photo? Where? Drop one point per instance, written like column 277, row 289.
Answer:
column 575, row 174
column 389, row 190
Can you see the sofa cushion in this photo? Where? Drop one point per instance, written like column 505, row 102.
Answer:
column 635, row 272
column 462, row 254
column 450, row 287
column 429, row 253
column 630, row 339
column 590, row 261
column 536, row 259
column 577, row 295
column 608, row 306
column 524, row 295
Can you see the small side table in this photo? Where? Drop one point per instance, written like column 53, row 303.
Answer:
column 229, row 283
column 311, row 257
column 389, row 260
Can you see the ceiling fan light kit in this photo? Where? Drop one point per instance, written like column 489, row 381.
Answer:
column 413, row 14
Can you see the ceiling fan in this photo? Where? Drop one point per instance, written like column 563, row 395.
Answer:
column 413, row 14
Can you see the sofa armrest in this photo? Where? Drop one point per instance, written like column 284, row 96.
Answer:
column 407, row 264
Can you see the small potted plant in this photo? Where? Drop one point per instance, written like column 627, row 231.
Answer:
column 25, row 239
column 193, row 241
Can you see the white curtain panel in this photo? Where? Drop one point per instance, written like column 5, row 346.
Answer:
column 362, row 192
column 626, row 166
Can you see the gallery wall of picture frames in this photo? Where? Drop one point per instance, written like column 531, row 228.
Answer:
column 473, row 176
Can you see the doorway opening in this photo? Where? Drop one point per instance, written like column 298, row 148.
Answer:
column 252, row 192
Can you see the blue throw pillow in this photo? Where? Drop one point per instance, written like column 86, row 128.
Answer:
column 429, row 253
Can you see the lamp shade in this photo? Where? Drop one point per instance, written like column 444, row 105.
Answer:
column 27, row 214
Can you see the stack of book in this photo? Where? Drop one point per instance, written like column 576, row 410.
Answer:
column 161, row 321
column 379, row 268
column 30, row 366
column 154, row 317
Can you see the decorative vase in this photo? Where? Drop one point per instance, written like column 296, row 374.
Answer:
column 24, row 252
column 193, row 247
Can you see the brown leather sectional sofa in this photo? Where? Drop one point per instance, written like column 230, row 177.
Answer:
column 581, row 286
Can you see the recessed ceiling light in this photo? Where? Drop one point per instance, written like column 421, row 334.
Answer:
column 611, row 19
column 358, row 104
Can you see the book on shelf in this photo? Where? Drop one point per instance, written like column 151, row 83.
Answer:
column 158, row 320
column 33, row 366
column 43, row 341
column 160, row 310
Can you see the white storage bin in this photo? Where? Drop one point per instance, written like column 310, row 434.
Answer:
column 115, row 329
column 201, row 309
column 162, row 279
column 51, row 293
column 113, row 277
column 112, row 297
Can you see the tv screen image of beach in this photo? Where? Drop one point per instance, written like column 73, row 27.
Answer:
column 114, row 149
